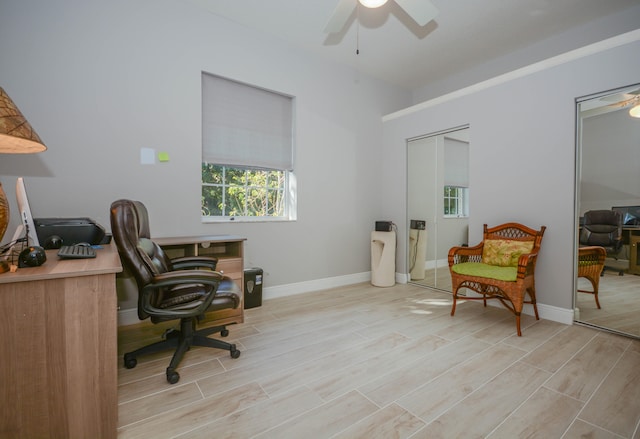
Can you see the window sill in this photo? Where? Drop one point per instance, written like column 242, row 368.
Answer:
column 244, row 219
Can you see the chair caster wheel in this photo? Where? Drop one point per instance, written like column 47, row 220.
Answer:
column 235, row 353
column 224, row 333
column 172, row 376
column 129, row 361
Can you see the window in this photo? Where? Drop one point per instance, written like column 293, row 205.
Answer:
column 455, row 202
column 247, row 152
column 242, row 192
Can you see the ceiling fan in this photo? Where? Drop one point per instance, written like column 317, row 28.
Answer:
column 421, row 11
column 630, row 98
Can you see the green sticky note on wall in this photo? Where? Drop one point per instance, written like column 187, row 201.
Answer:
column 163, row 156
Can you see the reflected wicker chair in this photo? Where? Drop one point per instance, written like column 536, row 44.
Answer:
column 590, row 266
column 470, row 268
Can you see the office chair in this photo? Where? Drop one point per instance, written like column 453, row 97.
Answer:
column 181, row 289
column 603, row 228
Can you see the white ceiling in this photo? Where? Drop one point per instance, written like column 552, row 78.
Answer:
column 464, row 35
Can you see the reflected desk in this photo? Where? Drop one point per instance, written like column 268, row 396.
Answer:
column 631, row 237
column 59, row 375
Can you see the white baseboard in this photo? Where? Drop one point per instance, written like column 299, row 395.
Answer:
column 315, row 285
column 128, row 317
column 547, row 312
column 560, row 315
column 553, row 313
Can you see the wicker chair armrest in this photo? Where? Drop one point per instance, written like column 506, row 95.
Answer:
column 458, row 255
column 527, row 264
column 592, row 254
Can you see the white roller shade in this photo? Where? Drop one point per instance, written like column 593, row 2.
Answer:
column 244, row 125
column 456, row 163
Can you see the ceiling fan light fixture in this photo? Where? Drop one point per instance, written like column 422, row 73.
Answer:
column 372, row 3
column 635, row 111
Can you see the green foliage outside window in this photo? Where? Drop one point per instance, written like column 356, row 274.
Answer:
column 455, row 201
column 237, row 191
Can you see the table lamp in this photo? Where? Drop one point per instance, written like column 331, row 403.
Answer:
column 16, row 137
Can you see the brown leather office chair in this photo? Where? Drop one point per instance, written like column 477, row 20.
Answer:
column 603, row 228
column 181, row 289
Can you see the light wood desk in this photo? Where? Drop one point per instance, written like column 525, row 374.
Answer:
column 58, row 324
column 631, row 237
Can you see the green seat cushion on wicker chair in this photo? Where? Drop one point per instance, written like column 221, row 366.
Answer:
column 509, row 274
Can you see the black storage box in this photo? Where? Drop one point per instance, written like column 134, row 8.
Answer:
column 384, row 226
column 252, row 287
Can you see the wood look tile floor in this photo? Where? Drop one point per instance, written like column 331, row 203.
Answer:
column 369, row 362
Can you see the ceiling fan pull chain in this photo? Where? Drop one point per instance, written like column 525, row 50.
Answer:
column 358, row 29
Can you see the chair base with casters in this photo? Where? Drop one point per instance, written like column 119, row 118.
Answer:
column 591, row 267
column 181, row 341
column 611, row 266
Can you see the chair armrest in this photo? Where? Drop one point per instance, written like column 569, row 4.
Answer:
column 459, row 255
column 617, row 244
column 190, row 262
column 526, row 264
column 595, row 254
column 182, row 277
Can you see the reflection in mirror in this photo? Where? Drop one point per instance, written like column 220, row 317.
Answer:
column 437, row 204
column 608, row 209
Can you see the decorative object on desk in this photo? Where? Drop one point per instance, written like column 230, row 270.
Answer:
column 16, row 137
column 33, row 256
column 4, row 222
column 4, row 212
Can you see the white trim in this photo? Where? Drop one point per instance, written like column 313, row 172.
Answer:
column 547, row 312
column 314, row 285
column 560, row 315
column 572, row 55
column 128, row 317
column 553, row 313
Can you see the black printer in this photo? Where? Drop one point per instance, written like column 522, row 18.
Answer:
column 70, row 230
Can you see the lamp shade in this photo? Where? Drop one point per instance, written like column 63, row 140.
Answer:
column 16, row 135
column 635, row 111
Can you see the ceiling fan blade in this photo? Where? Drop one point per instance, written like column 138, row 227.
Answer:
column 340, row 16
column 422, row 11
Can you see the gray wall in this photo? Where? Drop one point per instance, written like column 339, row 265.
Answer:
column 100, row 80
column 610, row 161
column 588, row 33
column 522, row 155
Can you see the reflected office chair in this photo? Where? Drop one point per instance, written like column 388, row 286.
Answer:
column 603, row 228
column 181, row 289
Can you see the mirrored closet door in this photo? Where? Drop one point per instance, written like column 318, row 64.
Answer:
column 437, row 204
column 608, row 180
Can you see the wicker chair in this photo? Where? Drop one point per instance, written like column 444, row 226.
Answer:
column 590, row 266
column 463, row 262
